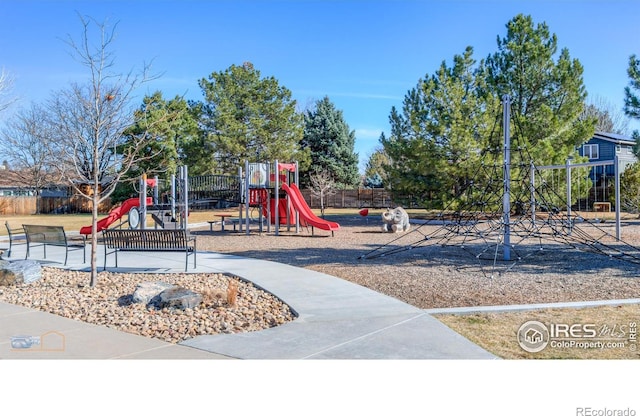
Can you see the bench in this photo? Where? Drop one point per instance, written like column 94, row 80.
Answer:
column 602, row 206
column 149, row 240
column 52, row 235
column 12, row 232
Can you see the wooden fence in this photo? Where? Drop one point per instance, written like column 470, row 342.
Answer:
column 26, row 205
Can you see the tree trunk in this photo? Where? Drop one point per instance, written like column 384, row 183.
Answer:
column 94, row 238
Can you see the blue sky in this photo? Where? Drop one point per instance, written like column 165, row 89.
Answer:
column 363, row 55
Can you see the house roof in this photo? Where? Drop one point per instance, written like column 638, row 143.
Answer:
column 614, row 138
column 10, row 179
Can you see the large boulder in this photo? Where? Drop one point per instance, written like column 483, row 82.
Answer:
column 176, row 297
column 146, row 291
column 20, row 271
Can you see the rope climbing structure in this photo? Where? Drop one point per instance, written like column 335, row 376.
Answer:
column 511, row 210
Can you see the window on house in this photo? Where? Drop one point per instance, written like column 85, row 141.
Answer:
column 590, row 150
column 618, row 148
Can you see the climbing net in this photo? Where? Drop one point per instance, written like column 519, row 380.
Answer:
column 538, row 221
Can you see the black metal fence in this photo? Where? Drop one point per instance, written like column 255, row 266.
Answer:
column 351, row 198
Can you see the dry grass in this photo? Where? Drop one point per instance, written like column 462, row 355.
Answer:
column 497, row 332
column 232, row 293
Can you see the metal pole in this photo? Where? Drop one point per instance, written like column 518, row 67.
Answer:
column 277, row 196
column 506, row 197
column 186, row 197
column 297, row 182
column 532, row 169
column 568, row 174
column 173, row 197
column 247, row 195
column 240, row 198
column 616, row 170
column 143, row 202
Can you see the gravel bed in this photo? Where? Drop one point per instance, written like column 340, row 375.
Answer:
column 66, row 293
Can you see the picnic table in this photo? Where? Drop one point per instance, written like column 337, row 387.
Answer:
column 223, row 217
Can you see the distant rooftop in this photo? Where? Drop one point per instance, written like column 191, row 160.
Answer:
column 614, row 137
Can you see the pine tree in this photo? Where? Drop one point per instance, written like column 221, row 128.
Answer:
column 436, row 143
column 375, row 169
column 450, row 122
column 631, row 92
column 546, row 90
column 632, row 98
column 331, row 143
column 170, row 126
column 246, row 117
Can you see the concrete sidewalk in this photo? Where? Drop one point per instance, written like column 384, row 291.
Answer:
column 336, row 319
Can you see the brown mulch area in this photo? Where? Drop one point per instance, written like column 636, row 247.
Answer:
column 436, row 276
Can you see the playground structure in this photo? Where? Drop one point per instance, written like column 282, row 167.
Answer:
column 501, row 220
column 254, row 189
column 271, row 189
column 168, row 205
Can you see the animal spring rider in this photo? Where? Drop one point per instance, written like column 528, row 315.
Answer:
column 395, row 220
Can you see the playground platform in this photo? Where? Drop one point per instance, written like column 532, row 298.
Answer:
column 337, row 320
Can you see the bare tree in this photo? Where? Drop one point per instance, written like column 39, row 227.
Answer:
column 90, row 120
column 322, row 186
column 608, row 118
column 24, row 141
column 6, row 83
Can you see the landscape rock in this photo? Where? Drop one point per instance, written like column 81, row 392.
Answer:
column 146, row 291
column 176, row 297
column 20, row 271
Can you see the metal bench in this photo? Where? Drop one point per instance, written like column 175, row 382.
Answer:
column 52, row 235
column 116, row 240
column 12, row 232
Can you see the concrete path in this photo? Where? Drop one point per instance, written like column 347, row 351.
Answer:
column 336, row 319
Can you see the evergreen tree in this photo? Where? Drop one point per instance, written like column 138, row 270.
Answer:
column 436, row 143
column 449, row 125
column 375, row 169
column 630, row 188
column 632, row 91
column 170, row 127
column 547, row 96
column 170, row 124
column 331, row 143
column 246, row 117
column 632, row 98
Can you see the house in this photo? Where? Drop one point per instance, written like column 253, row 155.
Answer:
column 12, row 185
column 603, row 147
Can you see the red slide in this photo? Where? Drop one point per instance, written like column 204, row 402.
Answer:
column 298, row 202
column 115, row 214
column 282, row 212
